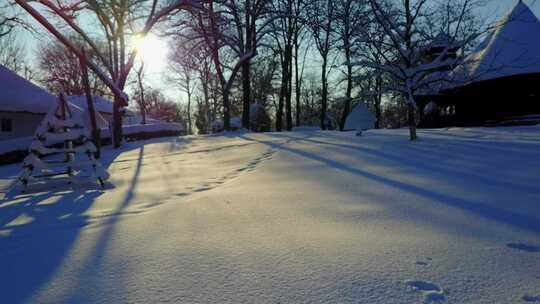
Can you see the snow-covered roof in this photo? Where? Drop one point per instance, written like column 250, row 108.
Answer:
column 136, row 119
column 83, row 115
column 360, row 118
column 512, row 48
column 100, row 104
column 20, row 95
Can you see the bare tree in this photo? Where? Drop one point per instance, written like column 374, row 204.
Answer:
column 321, row 20
column 250, row 28
column 13, row 54
column 405, row 25
column 11, row 20
column 283, row 34
column 298, row 39
column 141, row 102
column 118, row 21
column 213, row 27
column 371, row 46
column 162, row 108
column 60, row 70
column 287, row 20
column 209, row 104
column 350, row 15
column 12, row 51
column 183, row 64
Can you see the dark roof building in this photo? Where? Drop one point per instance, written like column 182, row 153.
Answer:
column 499, row 80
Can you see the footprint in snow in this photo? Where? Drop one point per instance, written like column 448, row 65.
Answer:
column 529, row 298
column 431, row 292
column 425, row 263
column 202, row 189
column 524, row 247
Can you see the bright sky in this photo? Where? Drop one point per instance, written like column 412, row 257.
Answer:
column 497, row 8
column 154, row 50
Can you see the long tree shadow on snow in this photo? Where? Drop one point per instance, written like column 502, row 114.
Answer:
column 90, row 267
column 37, row 232
column 430, row 163
column 526, row 222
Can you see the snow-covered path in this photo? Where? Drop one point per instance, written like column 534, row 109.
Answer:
column 302, row 217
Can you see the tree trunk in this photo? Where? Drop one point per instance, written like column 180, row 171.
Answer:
column 284, row 90
column 324, row 95
column 348, row 96
column 190, row 127
column 250, row 25
column 207, row 104
column 345, row 113
column 214, row 49
column 91, row 110
column 412, row 121
column 279, row 113
column 141, row 89
column 297, row 80
column 378, row 112
column 226, row 111
column 288, row 93
column 143, row 112
column 246, row 91
column 378, row 101
column 117, row 123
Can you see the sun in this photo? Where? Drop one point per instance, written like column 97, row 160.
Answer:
column 152, row 51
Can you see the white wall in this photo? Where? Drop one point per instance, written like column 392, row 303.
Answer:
column 23, row 124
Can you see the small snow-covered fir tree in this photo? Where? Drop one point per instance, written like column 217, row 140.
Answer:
column 62, row 132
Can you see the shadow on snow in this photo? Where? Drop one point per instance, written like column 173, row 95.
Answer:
column 526, row 222
column 47, row 224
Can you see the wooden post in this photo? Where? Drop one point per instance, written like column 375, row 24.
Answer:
column 96, row 138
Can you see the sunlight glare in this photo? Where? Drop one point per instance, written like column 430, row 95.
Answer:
column 152, row 51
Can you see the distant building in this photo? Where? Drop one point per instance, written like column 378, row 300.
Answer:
column 101, row 105
column 23, row 105
column 497, row 81
column 441, row 43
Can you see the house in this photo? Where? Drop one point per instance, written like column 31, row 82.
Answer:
column 498, row 80
column 360, row 119
column 101, row 105
column 22, row 105
column 442, row 44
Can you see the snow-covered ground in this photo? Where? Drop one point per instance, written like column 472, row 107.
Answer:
column 301, row 217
